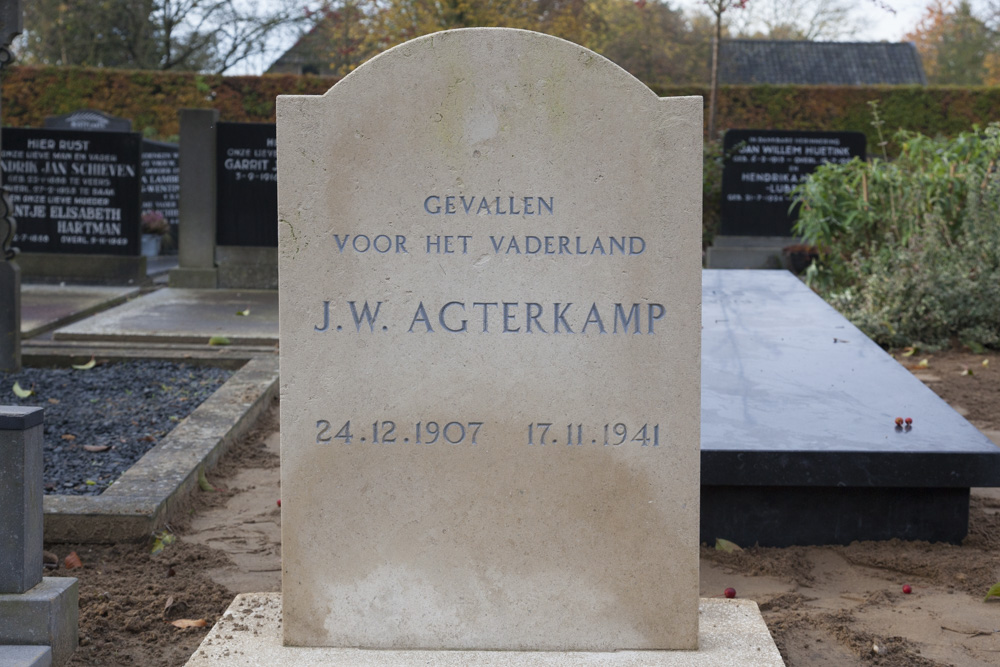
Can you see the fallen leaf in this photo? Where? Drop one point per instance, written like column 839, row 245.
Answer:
column 90, row 482
column 203, row 481
column 97, row 448
column 726, row 545
column 986, row 364
column 22, row 393
column 72, row 561
column 966, row 371
column 189, row 623
column 68, row 436
column 161, row 540
column 54, row 401
column 909, row 351
column 924, row 363
column 87, row 366
column 993, row 592
column 243, row 313
column 218, row 340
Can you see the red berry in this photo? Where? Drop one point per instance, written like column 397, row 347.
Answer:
column 908, row 421
column 899, row 421
column 279, row 502
column 730, row 593
column 907, row 589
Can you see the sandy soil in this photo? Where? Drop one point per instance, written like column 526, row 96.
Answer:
column 823, row 605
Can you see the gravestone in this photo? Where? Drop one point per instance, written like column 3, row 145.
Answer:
column 88, row 120
column 763, row 166
column 247, row 176
column 247, row 218
column 75, row 194
column 159, row 161
column 161, row 187
column 489, row 260
column 760, row 170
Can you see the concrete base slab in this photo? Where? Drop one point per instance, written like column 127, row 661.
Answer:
column 143, row 498
column 186, row 278
column 184, row 316
column 242, row 267
column 25, row 656
column 747, row 252
column 46, row 615
column 46, row 307
column 731, row 632
column 84, row 269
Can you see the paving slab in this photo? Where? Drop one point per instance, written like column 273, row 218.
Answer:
column 799, row 444
column 46, row 307
column 25, row 656
column 184, row 316
column 731, row 632
column 145, row 496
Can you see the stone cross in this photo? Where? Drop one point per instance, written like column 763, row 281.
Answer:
column 10, row 273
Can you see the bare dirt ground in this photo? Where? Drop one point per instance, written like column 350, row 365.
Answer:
column 823, row 605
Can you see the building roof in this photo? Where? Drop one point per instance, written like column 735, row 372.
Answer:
column 749, row 61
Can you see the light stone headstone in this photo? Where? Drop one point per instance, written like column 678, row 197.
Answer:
column 490, row 266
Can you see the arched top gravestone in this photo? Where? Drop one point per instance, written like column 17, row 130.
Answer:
column 489, row 272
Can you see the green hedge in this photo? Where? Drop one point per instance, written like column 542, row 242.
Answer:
column 151, row 100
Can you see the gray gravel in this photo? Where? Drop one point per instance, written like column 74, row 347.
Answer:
column 122, row 408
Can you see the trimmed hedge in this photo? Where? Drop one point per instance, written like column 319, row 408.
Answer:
column 151, row 100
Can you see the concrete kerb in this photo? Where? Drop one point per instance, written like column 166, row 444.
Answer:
column 143, row 499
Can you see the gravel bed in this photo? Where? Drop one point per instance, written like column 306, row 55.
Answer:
column 100, row 421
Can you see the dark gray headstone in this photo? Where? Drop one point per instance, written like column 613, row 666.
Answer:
column 247, row 168
column 20, row 498
column 73, row 192
column 762, row 167
column 88, row 120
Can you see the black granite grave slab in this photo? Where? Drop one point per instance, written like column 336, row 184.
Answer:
column 799, row 444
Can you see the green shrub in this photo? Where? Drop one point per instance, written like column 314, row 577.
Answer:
column 910, row 249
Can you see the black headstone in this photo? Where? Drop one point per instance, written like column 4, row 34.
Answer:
column 73, row 192
column 88, row 120
column 247, row 173
column 161, row 185
column 762, row 167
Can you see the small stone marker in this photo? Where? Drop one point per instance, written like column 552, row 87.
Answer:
column 490, row 265
column 21, row 498
column 34, row 610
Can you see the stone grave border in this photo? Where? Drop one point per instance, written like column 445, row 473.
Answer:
column 143, row 499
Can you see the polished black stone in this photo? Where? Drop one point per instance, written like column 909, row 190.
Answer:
column 799, row 443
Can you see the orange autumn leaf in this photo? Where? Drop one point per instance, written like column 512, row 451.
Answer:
column 189, row 623
column 72, row 561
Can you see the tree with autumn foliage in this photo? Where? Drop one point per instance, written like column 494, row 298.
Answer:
column 956, row 46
